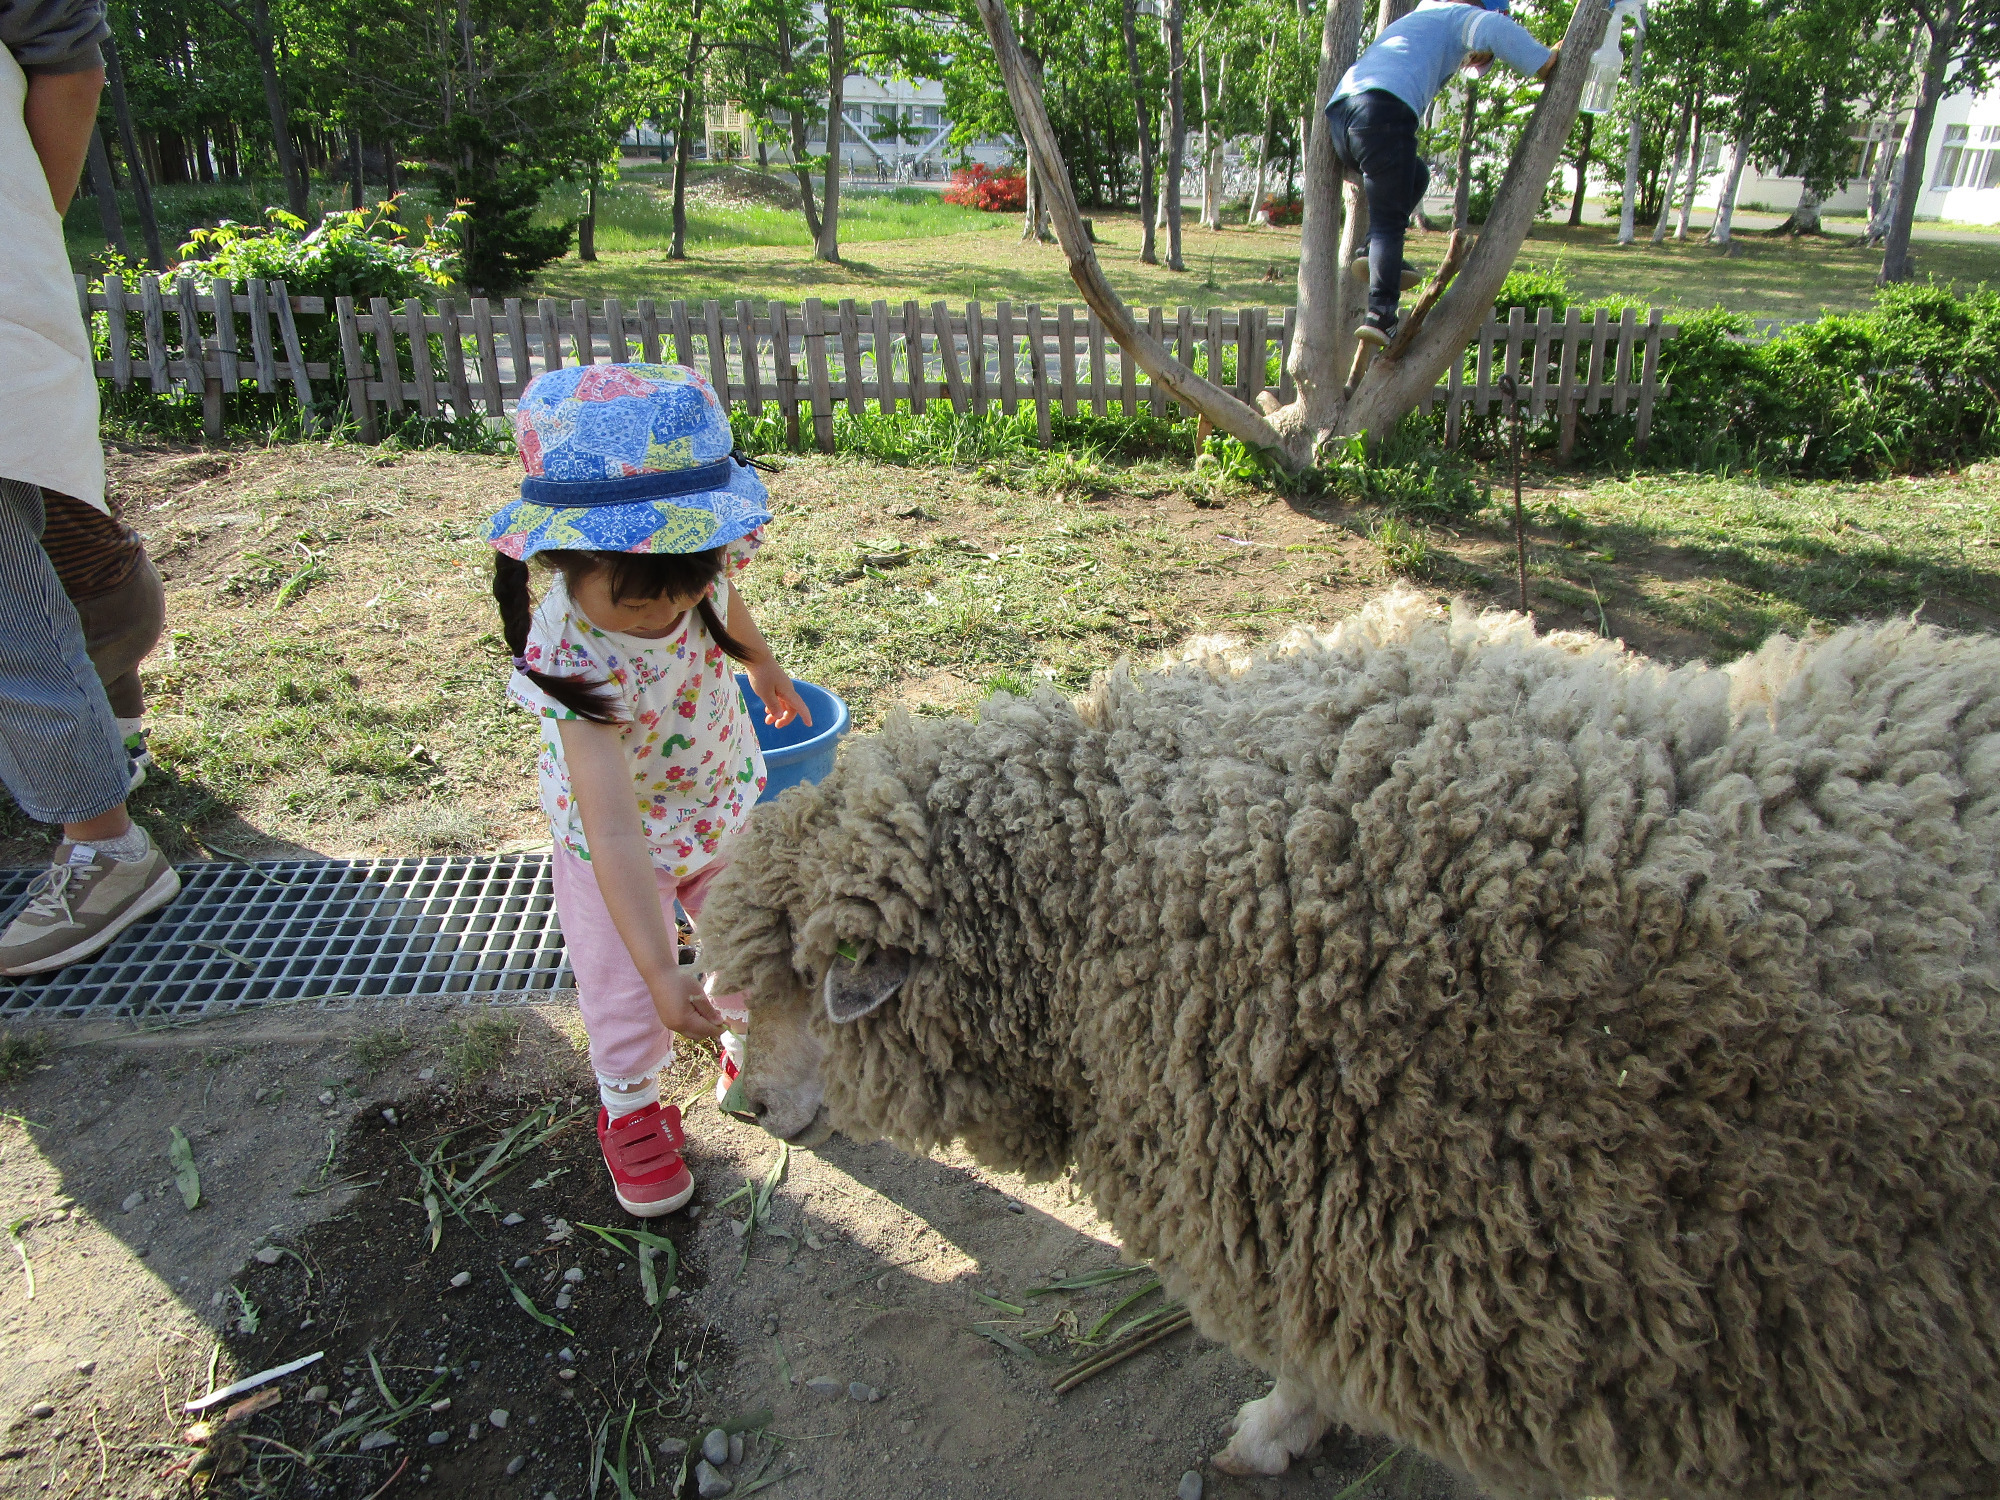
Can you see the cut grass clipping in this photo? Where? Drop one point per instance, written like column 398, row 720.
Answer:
column 443, row 1190
column 475, row 1047
column 1134, row 1334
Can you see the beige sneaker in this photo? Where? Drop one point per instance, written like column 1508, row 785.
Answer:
column 80, row 903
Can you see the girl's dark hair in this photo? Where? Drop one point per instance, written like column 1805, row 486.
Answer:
column 628, row 575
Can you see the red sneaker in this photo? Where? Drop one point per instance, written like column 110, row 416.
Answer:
column 643, row 1151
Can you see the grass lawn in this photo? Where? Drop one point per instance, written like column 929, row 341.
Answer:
column 332, row 679
column 1764, row 278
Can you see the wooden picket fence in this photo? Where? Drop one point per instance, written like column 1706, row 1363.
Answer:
column 803, row 364
column 256, row 343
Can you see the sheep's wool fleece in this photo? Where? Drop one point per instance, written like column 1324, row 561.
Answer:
column 1580, row 1070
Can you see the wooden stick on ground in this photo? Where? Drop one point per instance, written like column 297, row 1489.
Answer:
column 1098, row 1363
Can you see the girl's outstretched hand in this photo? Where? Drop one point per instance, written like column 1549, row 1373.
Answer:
column 782, row 702
column 684, row 1008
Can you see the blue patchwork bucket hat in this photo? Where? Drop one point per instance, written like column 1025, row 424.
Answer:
column 626, row 458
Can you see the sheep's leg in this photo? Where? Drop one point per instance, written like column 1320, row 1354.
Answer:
column 1270, row 1433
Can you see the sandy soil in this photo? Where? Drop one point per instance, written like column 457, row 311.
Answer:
column 867, row 1271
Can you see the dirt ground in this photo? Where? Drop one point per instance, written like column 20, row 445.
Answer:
column 864, row 1281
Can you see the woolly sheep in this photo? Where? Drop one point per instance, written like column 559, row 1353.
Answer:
column 1579, row 1070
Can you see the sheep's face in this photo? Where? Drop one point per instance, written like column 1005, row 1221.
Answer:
column 782, row 1087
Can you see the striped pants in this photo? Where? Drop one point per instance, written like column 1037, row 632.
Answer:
column 61, row 756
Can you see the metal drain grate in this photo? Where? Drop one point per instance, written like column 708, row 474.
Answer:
column 316, row 932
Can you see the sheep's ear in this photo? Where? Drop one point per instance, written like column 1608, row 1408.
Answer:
column 854, row 989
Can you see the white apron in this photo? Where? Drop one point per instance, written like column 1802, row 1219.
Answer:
column 48, row 390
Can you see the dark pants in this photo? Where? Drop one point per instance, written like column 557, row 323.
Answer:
column 1375, row 134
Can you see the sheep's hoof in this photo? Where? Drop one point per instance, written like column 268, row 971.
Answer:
column 1269, row 1462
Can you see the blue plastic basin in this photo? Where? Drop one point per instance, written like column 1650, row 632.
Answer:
column 798, row 751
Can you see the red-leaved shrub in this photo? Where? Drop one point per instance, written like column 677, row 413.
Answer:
column 979, row 186
column 1285, row 210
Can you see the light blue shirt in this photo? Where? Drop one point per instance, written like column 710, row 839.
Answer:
column 1417, row 55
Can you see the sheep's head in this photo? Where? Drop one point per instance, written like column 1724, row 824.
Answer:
column 823, row 920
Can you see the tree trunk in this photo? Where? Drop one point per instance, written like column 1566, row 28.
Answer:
column 1401, row 375
column 1674, row 175
column 1803, row 219
column 1201, row 88
column 1170, row 19
column 1148, row 255
column 1628, row 207
column 796, row 123
column 1461, row 189
column 142, row 190
column 1213, row 142
column 1694, row 171
column 828, row 246
column 684, row 136
column 105, row 191
column 1942, row 39
column 1725, row 206
column 1582, row 170
column 263, row 42
column 357, row 183
column 586, row 227
column 1270, row 129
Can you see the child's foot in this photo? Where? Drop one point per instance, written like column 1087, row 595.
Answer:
column 643, row 1151
column 1377, row 330
column 732, row 1064
column 137, row 759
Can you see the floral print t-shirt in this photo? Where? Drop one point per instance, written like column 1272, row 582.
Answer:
column 696, row 768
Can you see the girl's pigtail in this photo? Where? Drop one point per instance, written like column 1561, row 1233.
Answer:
column 720, row 632
column 596, row 701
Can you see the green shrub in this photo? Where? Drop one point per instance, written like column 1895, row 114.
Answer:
column 1533, row 288
column 504, row 245
column 1406, row 472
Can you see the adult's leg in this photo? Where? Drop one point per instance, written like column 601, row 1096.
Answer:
column 1382, row 132
column 120, row 629
column 61, row 756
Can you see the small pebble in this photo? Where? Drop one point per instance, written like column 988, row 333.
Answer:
column 563, row 1300
column 715, row 1446
column 573, row 1275
column 259, row 1096
column 906, row 1427
column 513, row 1219
column 41, row 1411
column 439, row 1439
column 463, row 1278
column 132, row 1201
column 316, row 1394
column 566, row 1354
column 373, row 1440
column 389, row 1115
column 1319, row 1471
column 270, row 1255
column 517, row 1463
column 565, row 1374
column 673, row 1447
column 736, row 1447
column 708, row 1483
column 771, row 1324
column 443, row 1403
column 497, row 1416
column 1190, row 1486
column 521, row 1263
column 881, row 1283
column 861, row 1390
column 425, row 1075
column 327, row 1098
column 824, row 1385
column 1019, row 1208
column 304, row 1324
column 86, row 1366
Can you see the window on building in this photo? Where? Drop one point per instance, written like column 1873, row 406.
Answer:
column 1984, row 172
column 1951, row 159
column 931, row 116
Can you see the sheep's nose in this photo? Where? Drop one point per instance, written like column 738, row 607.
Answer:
column 738, row 1104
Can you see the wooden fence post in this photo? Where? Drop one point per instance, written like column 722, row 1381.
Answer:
column 816, row 374
column 358, row 404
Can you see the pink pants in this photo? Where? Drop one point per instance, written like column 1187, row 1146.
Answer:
column 628, row 1041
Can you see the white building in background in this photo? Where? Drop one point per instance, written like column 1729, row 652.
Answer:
column 893, row 130
column 1961, row 176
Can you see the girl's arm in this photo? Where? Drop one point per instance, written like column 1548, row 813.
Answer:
column 600, row 779
column 773, row 683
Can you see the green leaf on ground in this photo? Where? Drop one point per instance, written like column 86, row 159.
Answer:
column 527, row 1305
column 181, row 1155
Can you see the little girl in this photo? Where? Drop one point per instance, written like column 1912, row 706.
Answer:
column 649, row 764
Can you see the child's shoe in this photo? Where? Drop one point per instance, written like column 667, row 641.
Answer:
column 732, row 1065
column 643, row 1151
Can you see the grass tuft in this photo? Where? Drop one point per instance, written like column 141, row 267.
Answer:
column 475, row 1047
column 375, row 1049
column 22, row 1052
